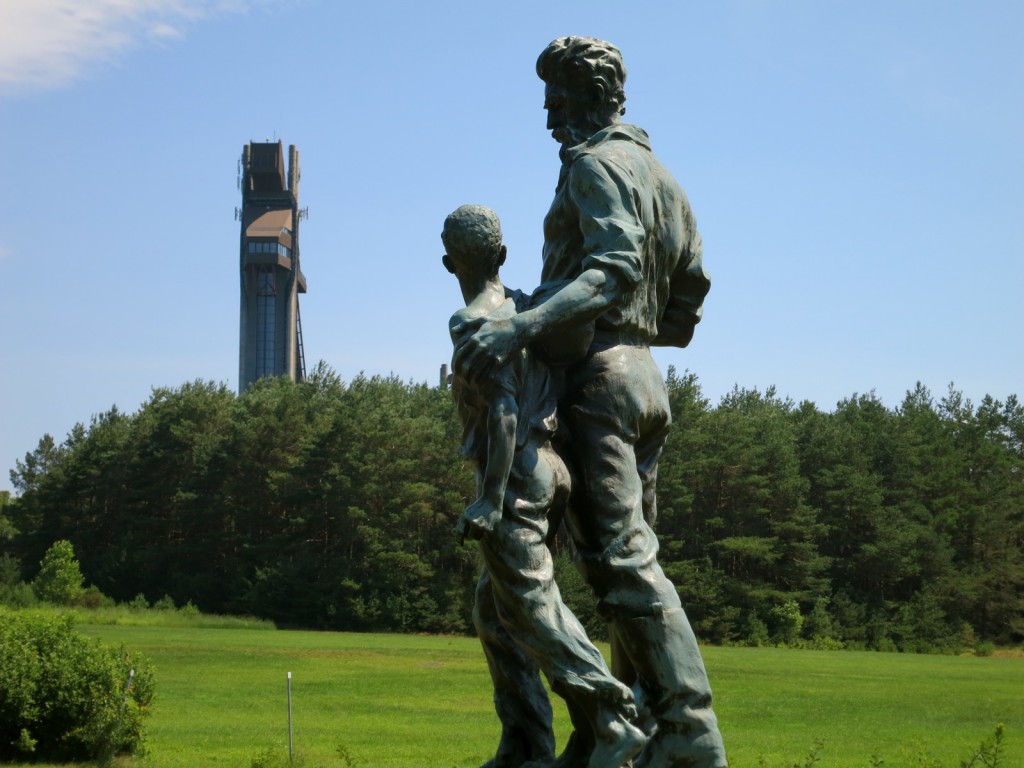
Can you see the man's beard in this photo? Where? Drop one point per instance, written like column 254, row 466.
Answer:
column 567, row 137
column 570, row 135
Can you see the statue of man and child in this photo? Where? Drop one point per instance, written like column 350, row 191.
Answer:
column 565, row 414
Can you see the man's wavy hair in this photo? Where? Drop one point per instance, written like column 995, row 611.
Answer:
column 583, row 62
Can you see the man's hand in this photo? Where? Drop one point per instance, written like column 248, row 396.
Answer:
column 490, row 346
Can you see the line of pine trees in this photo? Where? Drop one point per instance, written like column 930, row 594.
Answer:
column 330, row 505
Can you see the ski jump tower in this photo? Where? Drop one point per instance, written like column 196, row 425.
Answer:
column 270, row 342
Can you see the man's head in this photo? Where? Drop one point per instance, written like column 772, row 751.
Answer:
column 584, row 79
column 472, row 241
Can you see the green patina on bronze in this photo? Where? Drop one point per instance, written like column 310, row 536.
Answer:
column 563, row 379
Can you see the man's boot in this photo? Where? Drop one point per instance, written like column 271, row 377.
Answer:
column 671, row 673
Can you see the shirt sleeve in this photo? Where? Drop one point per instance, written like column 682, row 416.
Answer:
column 613, row 232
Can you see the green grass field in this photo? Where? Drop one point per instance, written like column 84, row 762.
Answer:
column 414, row 701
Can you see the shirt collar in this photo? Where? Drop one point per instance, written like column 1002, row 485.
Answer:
column 613, row 132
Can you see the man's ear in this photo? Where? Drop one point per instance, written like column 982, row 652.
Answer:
column 448, row 264
column 502, row 253
column 598, row 93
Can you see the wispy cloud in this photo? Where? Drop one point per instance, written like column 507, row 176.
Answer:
column 48, row 43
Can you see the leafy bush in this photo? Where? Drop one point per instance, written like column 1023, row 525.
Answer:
column 92, row 598
column 165, row 603
column 819, row 643
column 60, row 578
column 10, row 570
column 984, row 648
column 65, row 696
column 21, row 595
column 787, row 622
column 757, row 634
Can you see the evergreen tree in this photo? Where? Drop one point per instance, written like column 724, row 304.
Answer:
column 326, row 504
column 60, row 579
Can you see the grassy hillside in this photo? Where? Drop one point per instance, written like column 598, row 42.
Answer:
column 383, row 701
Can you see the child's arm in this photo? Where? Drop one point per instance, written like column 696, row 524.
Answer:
column 483, row 515
column 502, row 418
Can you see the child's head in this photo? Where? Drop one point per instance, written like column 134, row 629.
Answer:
column 472, row 241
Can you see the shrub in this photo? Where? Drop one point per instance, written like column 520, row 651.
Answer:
column 757, row 632
column 819, row 643
column 819, row 622
column 139, row 603
column 787, row 622
column 66, row 696
column 60, row 578
column 165, row 603
column 19, row 596
column 92, row 598
column 10, row 570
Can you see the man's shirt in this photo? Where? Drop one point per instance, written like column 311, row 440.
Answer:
column 617, row 208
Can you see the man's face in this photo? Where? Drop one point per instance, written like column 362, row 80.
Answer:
column 569, row 116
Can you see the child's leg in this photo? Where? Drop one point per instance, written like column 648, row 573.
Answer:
column 530, row 607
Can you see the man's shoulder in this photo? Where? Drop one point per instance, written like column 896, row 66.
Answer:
column 617, row 138
column 609, row 152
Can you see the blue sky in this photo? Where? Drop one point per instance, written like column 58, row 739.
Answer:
column 855, row 168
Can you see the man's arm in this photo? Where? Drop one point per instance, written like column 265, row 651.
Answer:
column 675, row 329
column 688, row 287
column 611, row 266
column 494, row 341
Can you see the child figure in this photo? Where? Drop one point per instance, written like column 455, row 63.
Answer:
column 509, row 418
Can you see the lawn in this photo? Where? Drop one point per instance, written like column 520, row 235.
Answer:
column 383, row 701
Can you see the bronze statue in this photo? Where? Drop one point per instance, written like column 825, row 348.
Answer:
column 621, row 251
column 509, row 419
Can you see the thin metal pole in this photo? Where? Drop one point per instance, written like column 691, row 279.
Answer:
column 290, row 757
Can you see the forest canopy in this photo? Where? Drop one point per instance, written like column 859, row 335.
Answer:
column 331, row 505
